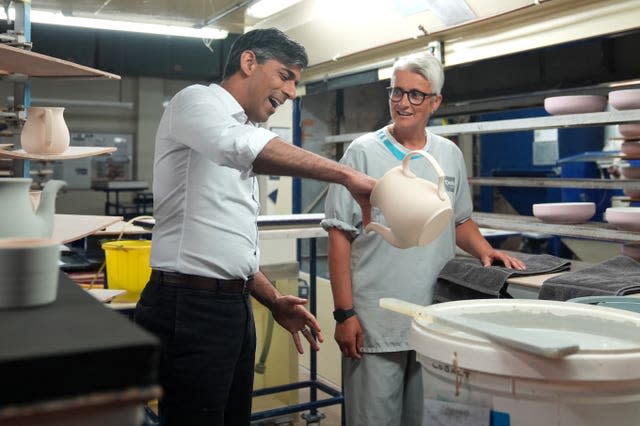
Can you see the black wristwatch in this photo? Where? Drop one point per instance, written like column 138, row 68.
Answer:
column 340, row 315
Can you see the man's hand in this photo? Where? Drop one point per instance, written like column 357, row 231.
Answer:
column 289, row 312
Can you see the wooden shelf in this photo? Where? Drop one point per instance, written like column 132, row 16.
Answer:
column 530, row 182
column 20, row 61
column 591, row 230
column 71, row 153
column 72, row 227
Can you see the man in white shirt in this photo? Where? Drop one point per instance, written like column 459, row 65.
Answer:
column 205, row 253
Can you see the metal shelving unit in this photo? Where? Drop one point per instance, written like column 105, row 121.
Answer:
column 593, row 230
column 520, row 124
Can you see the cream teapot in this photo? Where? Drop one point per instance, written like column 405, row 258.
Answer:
column 45, row 131
column 416, row 210
column 20, row 218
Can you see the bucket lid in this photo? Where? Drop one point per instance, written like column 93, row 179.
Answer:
column 608, row 339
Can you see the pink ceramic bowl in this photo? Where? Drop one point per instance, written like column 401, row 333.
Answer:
column 625, row 218
column 629, row 130
column 568, row 213
column 630, row 172
column 632, row 250
column 558, row 105
column 630, row 149
column 625, row 99
column 632, row 193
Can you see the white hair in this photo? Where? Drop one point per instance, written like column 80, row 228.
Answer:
column 422, row 63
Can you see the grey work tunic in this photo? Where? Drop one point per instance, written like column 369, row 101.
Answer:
column 379, row 269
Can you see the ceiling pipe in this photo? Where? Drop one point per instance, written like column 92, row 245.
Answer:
column 224, row 13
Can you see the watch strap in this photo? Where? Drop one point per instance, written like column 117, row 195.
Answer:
column 341, row 315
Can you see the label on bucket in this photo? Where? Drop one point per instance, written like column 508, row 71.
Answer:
column 454, row 414
column 445, row 413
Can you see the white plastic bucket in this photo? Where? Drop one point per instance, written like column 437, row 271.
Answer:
column 597, row 386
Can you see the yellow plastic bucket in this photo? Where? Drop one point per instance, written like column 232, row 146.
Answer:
column 128, row 265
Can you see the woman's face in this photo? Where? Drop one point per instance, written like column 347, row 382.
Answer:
column 405, row 114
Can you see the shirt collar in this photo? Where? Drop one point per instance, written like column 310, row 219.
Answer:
column 235, row 109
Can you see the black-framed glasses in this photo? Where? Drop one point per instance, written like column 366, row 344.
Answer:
column 415, row 97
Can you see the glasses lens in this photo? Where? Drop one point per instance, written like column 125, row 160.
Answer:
column 394, row 93
column 416, row 97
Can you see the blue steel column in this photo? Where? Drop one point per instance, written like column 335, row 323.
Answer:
column 23, row 17
column 313, row 375
column 296, row 186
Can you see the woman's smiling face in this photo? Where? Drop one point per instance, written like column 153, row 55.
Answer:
column 403, row 113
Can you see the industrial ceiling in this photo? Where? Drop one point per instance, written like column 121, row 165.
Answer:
column 346, row 35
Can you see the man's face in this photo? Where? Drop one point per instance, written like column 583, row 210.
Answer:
column 403, row 112
column 271, row 84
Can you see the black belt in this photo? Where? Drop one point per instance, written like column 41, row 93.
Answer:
column 199, row 283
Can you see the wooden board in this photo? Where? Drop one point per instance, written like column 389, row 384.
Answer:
column 72, row 227
column 71, row 153
column 590, row 230
column 14, row 60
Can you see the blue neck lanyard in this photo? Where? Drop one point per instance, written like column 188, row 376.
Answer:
column 392, row 148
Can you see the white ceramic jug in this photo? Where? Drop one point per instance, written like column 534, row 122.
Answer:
column 416, row 210
column 45, row 131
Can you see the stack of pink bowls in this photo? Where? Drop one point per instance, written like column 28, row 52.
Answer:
column 624, row 100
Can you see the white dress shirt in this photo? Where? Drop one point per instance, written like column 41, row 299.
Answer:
column 205, row 193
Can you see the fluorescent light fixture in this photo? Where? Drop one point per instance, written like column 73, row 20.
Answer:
column 57, row 18
column 263, row 8
column 625, row 83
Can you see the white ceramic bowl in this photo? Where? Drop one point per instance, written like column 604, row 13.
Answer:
column 631, row 130
column 630, row 149
column 568, row 213
column 625, row 218
column 625, row 99
column 630, row 172
column 558, row 105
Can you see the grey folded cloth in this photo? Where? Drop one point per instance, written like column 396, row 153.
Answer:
column 617, row 276
column 467, row 278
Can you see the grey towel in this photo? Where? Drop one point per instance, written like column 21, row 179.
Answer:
column 467, row 278
column 617, row 276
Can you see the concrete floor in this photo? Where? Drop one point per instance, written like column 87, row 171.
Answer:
column 332, row 413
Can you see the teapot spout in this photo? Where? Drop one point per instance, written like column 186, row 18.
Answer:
column 385, row 233
column 46, row 208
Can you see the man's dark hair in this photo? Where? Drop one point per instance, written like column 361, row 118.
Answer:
column 266, row 44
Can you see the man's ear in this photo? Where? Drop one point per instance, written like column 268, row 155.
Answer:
column 248, row 61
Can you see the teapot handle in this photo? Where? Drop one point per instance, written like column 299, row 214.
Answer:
column 407, row 171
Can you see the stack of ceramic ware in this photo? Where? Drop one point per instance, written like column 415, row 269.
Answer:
column 29, row 256
column 625, row 100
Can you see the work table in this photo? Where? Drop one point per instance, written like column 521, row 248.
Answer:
column 72, row 354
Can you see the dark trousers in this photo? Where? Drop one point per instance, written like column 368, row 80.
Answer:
column 208, row 346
